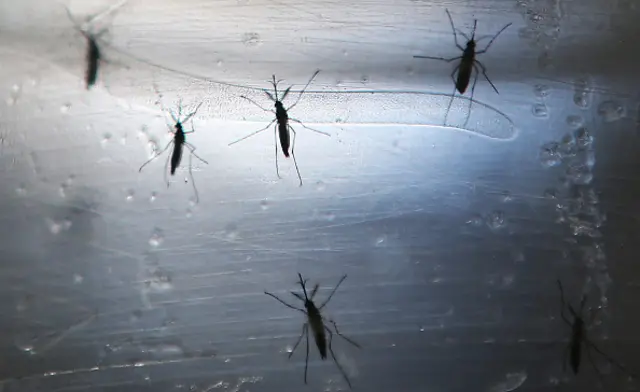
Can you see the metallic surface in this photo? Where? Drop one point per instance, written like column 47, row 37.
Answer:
column 452, row 239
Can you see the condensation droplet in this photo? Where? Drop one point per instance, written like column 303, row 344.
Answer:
column 157, row 237
column 550, row 193
column 159, row 281
column 574, row 121
column 320, row 186
column 581, row 99
column 541, row 90
column 329, row 216
column 611, row 111
column 130, row 195
column 381, row 240
column 189, row 213
column 506, row 196
column 345, row 53
column 264, row 205
column 55, row 227
column 21, row 190
column 153, row 197
column 251, row 39
column 63, row 190
column 583, row 138
column 77, row 278
column 64, row 109
column 231, row 231
column 495, row 220
column 219, row 63
column 105, row 139
column 422, row 329
column 540, row 110
column 550, row 154
column 475, row 220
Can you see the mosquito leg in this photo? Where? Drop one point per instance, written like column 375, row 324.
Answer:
column 192, row 148
column 335, row 360
column 315, row 290
column 295, row 346
column 306, row 358
column 275, row 146
column 608, row 358
column 455, row 37
column 253, row 133
column 284, row 303
column 593, row 363
column 166, row 169
column 311, row 129
column 484, row 73
column 155, row 156
column 326, row 301
column 438, row 58
column 193, row 181
column 563, row 304
column 293, row 155
column 565, row 358
column 473, row 89
column 335, row 326
column 257, row 104
column 493, row 39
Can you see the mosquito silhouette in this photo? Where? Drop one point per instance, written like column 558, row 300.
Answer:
column 283, row 130
column 93, row 55
column 468, row 63
column 178, row 142
column 317, row 322
column 579, row 338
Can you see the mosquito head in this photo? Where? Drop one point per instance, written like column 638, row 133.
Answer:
column 279, row 106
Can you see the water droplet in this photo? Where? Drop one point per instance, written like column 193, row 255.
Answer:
column 159, row 281
column 345, row 53
column 55, row 227
column 541, row 90
column 381, row 240
column 540, row 110
column 264, row 205
column 422, row 329
column 251, row 39
column 495, row 220
column 506, row 197
column 219, row 63
column 582, row 138
column 550, row 154
column 105, row 139
column 21, row 190
column 611, row 111
column 189, row 213
column 130, row 195
column 581, row 99
column 329, row 216
column 550, row 193
column 153, row 197
column 320, row 186
column 157, row 237
column 574, row 121
column 77, row 278
column 517, row 256
column 231, row 231
column 364, row 79
column 63, row 190
column 64, row 109
column 476, row 220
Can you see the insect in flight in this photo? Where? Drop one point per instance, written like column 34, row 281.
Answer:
column 94, row 54
column 179, row 141
column 283, row 130
column 579, row 338
column 316, row 321
column 468, row 63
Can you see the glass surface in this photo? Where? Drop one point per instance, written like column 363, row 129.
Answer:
column 452, row 236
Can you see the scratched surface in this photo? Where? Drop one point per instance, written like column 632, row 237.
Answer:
column 452, row 239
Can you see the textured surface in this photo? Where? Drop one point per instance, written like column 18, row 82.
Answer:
column 452, row 239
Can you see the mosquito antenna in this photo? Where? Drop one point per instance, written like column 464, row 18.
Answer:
column 453, row 28
column 473, row 33
column 494, row 38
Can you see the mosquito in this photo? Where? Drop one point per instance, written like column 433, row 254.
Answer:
column 317, row 323
column 93, row 56
column 579, row 337
column 179, row 141
column 468, row 63
column 283, row 130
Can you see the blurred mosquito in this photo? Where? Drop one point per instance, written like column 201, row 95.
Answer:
column 94, row 54
column 317, row 323
column 178, row 142
column 468, row 63
column 579, row 337
column 283, row 129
